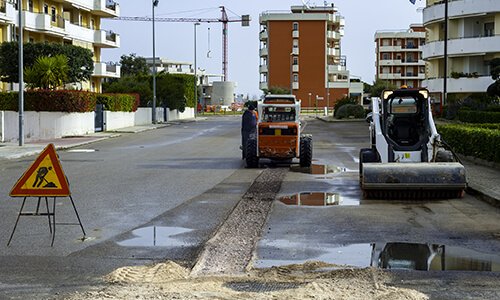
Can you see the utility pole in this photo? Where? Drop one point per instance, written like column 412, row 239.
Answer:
column 195, row 74
column 445, row 82
column 21, row 74
column 155, row 3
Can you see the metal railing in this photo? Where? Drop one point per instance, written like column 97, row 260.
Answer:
column 110, row 36
column 111, row 5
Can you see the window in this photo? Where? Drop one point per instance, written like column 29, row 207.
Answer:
column 489, row 29
column 385, row 56
column 46, row 9
column 295, row 43
column 92, row 23
column 403, row 105
column 53, row 13
column 295, row 77
column 386, row 42
column 295, row 60
column 295, row 26
column 385, row 70
column 30, row 5
column 31, row 40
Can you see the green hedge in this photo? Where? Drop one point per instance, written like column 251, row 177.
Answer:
column 118, row 102
column 49, row 100
column 470, row 140
column 473, row 116
column 350, row 110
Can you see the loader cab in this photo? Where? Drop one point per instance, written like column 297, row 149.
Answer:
column 405, row 118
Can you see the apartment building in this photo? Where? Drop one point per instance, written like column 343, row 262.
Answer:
column 473, row 41
column 399, row 56
column 300, row 50
column 75, row 22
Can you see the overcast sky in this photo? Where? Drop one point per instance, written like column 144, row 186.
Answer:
column 176, row 40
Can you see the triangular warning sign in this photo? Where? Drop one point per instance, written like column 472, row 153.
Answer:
column 44, row 178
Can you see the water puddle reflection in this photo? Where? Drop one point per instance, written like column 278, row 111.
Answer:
column 156, row 236
column 318, row 199
column 317, row 169
column 403, row 256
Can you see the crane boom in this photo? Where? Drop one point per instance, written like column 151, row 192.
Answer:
column 224, row 20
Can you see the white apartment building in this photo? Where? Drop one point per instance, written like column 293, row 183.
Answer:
column 75, row 22
column 473, row 41
column 399, row 56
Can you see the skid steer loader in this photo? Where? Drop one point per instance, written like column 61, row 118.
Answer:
column 407, row 159
column 278, row 135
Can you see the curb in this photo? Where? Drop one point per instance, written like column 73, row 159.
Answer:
column 332, row 120
column 475, row 191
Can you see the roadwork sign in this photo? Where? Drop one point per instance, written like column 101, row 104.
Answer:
column 44, row 178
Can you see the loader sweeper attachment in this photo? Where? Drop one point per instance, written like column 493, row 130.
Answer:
column 407, row 159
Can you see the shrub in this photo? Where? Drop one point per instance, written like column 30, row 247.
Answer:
column 350, row 110
column 342, row 102
column 470, row 140
column 471, row 116
column 47, row 100
column 9, row 101
column 118, row 102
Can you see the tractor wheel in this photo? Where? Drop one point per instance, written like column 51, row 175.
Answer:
column 251, row 157
column 366, row 155
column 306, row 151
column 444, row 156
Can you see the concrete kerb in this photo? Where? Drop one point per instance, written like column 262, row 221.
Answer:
column 330, row 119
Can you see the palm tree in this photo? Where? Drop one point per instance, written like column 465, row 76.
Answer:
column 47, row 72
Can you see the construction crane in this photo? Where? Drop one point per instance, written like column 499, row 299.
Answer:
column 224, row 19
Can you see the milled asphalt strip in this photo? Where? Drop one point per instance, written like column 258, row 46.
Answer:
column 231, row 248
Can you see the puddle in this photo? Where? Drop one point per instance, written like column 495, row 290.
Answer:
column 156, row 236
column 82, row 150
column 318, row 199
column 317, row 169
column 402, row 256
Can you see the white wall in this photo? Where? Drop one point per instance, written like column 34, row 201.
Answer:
column 143, row 116
column 176, row 115
column 45, row 125
column 118, row 119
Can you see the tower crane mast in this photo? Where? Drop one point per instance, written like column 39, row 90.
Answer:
column 224, row 19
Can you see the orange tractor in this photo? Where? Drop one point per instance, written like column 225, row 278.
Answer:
column 278, row 136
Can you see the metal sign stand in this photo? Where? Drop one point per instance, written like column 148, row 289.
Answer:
column 51, row 216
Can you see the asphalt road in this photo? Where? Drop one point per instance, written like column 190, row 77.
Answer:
column 162, row 194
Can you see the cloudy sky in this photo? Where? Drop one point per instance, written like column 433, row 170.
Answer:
column 176, row 40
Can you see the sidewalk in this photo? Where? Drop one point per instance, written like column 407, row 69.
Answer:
column 14, row 151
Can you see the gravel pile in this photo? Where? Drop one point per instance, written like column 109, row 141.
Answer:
column 230, row 250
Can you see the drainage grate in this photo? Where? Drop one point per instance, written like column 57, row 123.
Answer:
column 261, row 287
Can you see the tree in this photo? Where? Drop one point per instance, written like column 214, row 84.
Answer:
column 379, row 86
column 277, row 90
column 131, row 84
column 132, row 65
column 47, row 72
column 80, row 62
column 494, row 89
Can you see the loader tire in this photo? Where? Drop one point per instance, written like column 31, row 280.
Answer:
column 444, row 156
column 366, row 155
column 251, row 157
column 306, row 151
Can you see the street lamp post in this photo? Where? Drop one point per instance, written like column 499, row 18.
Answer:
column 291, row 73
column 445, row 82
column 195, row 74
column 21, row 75
column 155, row 4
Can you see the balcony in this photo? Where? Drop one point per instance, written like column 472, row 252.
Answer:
column 333, row 35
column 295, row 51
column 390, row 49
column 412, row 62
column 339, row 85
column 106, row 8
column 460, row 85
column 7, row 12
column 42, row 22
column 263, row 86
column 295, row 85
column 333, row 52
column 106, row 39
column 295, row 34
column 336, row 69
column 263, row 35
column 412, row 76
column 389, row 76
column 263, row 69
column 462, row 47
column 102, row 69
column 264, row 52
column 390, row 62
column 79, row 32
column 295, row 68
column 458, row 8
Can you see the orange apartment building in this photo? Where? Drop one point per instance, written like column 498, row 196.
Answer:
column 399, row 56
column 300, row 51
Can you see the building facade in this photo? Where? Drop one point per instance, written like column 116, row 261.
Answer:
column 399, row 56
column 75, row 22
column 473, row 41
column 300, row 51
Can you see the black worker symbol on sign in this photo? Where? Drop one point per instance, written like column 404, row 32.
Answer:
column 40, row 178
